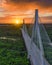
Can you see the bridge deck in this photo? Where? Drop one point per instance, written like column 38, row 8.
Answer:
column 33, row 51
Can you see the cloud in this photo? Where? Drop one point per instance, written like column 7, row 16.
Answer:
column 26, row 8
column 43, row 3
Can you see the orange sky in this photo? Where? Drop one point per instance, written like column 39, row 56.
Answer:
column 24, row 10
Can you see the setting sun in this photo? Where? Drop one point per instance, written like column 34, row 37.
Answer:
column 18, row 21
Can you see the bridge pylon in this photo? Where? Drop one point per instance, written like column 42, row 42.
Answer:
column 24, row 26
column 36, row 36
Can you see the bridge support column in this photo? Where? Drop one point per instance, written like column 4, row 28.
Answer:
column 37, row 31
column 39, row 37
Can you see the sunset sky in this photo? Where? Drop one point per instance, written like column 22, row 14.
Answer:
column 15, row 9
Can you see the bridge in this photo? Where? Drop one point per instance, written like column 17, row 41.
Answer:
column 38, row 43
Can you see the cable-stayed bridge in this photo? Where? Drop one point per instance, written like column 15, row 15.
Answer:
column 38, row 44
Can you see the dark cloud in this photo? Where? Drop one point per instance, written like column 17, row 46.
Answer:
column 42, row 3
column 44, row 6
column 22, row 0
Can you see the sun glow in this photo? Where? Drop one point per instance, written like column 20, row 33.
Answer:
column 18, row 21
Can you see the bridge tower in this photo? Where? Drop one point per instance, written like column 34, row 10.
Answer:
column 37, row 37
column 24, row 26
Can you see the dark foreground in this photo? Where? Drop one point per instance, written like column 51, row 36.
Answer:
column 12, row 47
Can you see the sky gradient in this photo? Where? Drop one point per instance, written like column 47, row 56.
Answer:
column 25, row 9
